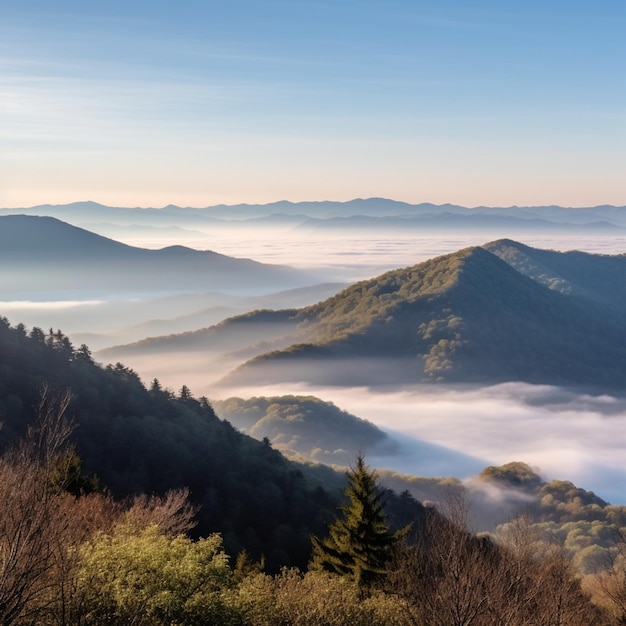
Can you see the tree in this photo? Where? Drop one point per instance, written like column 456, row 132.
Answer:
column 33, row 516
column 449, row 577
column 446, row 575
column 145, row 577
column 609, row 584
column 185, row 393
column 84, row 353
column 360, row 544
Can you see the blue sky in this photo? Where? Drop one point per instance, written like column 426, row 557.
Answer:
column 198, row 103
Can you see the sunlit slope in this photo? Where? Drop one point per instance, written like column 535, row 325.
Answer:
column 465, row 317
column 306, row 427
column 468, row 317
column 42, row 254
column 249, row 331
column 351, row 312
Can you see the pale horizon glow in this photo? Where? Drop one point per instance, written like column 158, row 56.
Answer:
column 254, row 101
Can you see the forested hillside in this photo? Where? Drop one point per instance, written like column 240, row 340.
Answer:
column 137, row 440
column 91, row 556
column 471, row 317
column 305, row 425
column 466, row 317
column 595, row 276
column 578, row 520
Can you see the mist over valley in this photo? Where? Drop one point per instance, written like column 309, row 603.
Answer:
column 451, row 430
column 312, row 312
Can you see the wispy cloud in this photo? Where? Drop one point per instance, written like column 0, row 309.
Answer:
column 57, row 305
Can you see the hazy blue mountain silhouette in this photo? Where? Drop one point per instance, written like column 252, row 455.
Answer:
column 44, row 254
column 294, row 211
column 448, row 221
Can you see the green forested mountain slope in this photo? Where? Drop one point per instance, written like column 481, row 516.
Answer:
column 481, row 315
column 465, row 317
column 305, row 426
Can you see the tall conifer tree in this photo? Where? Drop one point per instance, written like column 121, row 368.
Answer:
column 359, row 544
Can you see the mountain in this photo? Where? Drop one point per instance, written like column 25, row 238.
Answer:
column 306, row 427
column 450, row 221
column 85, row 212
column 136, row 440
column 467, row 317
column 131, row 440
column 596, row 276
column 43, row 254
column 214, row 314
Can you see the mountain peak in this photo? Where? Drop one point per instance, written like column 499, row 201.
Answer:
column 465, row 317
column 30, row 234
column 60, row 257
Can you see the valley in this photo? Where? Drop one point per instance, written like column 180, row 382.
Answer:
column 312, row 314
column 454, row 430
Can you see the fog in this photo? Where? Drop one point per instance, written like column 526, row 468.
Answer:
column 442, row 431
column 448, row 431
column 348, row 257
column 337, row 258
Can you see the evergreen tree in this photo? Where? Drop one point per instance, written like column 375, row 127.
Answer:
column 359, row 544
column 184, row 393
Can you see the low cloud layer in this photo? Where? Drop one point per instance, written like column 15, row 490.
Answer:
column 449, row 431
column 457, row 431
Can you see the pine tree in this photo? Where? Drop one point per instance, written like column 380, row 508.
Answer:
column 359, row 544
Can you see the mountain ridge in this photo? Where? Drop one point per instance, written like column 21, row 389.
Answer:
column 46, row 254
column 465, row 317
column 380, row 207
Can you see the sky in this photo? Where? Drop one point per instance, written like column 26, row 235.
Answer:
column 198, row 102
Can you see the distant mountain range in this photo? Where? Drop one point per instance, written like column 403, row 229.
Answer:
column 43, row 254
column 314, row 215
column 487, row 314
column 449, row 221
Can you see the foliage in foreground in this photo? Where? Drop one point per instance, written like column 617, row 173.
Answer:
column 87, row 560
column 138, row 440
column 72, row 556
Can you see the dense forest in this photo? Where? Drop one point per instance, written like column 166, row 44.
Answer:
column 132, row 505
column 502, row 312
column 306, row 427
column 138, row 440
column 465, row 317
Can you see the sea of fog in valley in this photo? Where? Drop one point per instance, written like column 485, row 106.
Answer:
column 342, row 257
column 443, row 431
column 460, row 430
